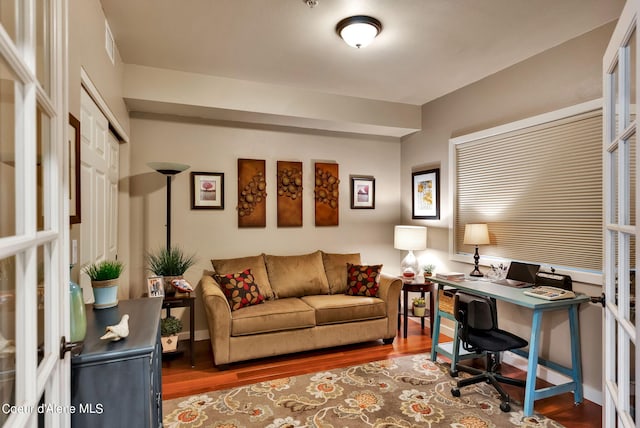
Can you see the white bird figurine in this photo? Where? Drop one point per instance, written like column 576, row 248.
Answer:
column 118, row 331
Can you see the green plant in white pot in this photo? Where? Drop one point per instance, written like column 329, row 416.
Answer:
column 104, row 277
column 169, row 329
column 170, row 263
column 419, row 306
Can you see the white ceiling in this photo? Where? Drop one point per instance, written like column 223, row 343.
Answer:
column 427, row 48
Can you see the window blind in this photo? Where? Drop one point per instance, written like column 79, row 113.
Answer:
column 539, row 189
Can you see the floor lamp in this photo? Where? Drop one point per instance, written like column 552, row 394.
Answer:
column 168, row 169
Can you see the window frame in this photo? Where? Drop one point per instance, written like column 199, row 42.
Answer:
column 564, row 113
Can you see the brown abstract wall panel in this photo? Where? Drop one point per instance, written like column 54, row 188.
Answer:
column 327, row 194
column 289, row 194
column 252, row 194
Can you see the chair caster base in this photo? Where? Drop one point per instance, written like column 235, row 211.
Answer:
column 505, row 407
column 455, row 392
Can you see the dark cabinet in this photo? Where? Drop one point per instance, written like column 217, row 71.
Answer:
column 119, row 384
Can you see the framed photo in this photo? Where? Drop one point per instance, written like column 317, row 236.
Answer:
column 74, row 169
column 207, row 191
column 155, row 286
column 363, row 192
column 425, row 196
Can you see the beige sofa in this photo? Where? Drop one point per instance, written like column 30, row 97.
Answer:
column 306, row 307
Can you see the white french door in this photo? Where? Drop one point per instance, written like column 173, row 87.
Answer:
column 34, row 214
column 620, row 158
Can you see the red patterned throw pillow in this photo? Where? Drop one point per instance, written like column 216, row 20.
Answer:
column 362, row 280
column 240, row 289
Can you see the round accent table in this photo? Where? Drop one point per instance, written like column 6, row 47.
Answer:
column 416, row 286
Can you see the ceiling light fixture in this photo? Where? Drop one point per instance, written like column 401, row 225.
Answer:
column 358, row 31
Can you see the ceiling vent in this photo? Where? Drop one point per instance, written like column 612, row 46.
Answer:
column 109, row 44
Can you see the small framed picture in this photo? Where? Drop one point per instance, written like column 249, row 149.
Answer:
column 425, row 197
column 155, row 286
column 207, row 191
column 363, row 192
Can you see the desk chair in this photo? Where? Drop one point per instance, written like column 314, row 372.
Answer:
column 479, row 332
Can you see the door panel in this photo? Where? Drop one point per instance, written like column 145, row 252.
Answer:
column 620, row 201
column 99, row 169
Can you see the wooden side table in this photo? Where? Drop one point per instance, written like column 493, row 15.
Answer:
column 421, row 287
column 184, row 302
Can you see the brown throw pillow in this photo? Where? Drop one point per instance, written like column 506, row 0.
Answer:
column 240, row 289
column 362, row 280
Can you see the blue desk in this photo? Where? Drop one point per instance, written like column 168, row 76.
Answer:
column 539, row 306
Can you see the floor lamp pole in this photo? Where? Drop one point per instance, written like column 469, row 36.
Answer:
column 168, row 170
column 168, row 212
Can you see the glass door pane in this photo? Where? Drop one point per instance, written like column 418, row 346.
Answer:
column 7, row 152
column 43, row 45
column 7, row 333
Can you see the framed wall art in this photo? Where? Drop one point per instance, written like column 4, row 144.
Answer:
column 207, row 191
column 363, row 192
column 74, row 169
column 252, row 193
column 289, row 194
column 425, row 196
column 327, row 194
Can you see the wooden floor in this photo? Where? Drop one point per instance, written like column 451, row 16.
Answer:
column 179, row 379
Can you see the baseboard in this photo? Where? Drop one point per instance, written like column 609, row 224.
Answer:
column 198, row 335
column 555, row 378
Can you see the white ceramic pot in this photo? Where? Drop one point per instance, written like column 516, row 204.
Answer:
column 169, row 343
column 419, row 311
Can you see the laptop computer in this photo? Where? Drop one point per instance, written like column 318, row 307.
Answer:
column 519, row 275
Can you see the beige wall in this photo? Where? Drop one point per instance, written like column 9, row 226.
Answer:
column 566, row 75
column 215, row 147
column 87, row 51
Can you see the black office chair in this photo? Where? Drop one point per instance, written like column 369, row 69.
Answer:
column 479, row 333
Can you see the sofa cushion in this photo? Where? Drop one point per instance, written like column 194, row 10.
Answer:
column 240, row 289
column 296, row 276
column 362, row 280
column 255, row 263
column 272, row 315
column 335, row 266
column 338, row 308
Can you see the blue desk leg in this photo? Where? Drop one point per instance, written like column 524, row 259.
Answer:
column 435, row 334
column 576, row 361
column 534, row 346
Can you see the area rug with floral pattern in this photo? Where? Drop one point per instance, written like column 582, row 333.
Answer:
column 405, row 392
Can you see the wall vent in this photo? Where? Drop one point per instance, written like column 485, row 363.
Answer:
column 109, row 44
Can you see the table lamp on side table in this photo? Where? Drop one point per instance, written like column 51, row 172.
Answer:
column 476, row 234
column 410, row 238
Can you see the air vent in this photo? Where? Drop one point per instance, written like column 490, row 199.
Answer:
column 109, row 44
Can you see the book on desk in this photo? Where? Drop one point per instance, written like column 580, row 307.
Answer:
column 451, row 276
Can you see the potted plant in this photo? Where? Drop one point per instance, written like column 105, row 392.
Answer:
column 170, row 263
column 419, row 306
column 169, row 329
column 104, row 282
column 428, row 269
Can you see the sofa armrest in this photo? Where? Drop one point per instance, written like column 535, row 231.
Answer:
column 218, row 314
column 389, row 291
